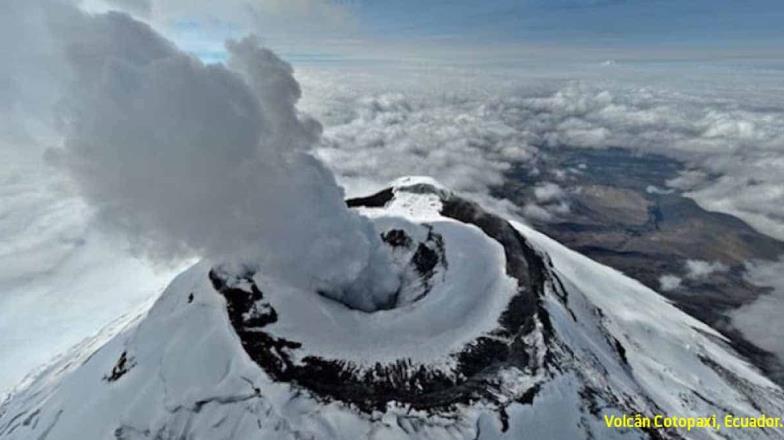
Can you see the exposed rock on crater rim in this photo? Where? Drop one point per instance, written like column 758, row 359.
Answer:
column 470, row 371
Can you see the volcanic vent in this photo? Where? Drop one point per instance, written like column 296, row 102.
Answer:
column 483, row 313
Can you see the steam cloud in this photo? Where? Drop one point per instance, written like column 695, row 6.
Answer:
column 210, row 160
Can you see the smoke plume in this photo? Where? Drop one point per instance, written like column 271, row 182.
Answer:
column 212, row 160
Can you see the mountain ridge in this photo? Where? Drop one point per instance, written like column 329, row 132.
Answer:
column 506, row 334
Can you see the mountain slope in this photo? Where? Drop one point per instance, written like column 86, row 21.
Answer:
column 497, row 332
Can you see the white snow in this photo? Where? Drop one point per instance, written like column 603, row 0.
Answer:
column 189, row 377
column 663, row 344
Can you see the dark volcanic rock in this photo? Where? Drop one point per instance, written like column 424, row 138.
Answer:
column 120, row 369
column 376, row 200
column 396, row 238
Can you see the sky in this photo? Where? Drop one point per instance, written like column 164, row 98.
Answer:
column 329, row 30
column 579, row 23
column 458, row 90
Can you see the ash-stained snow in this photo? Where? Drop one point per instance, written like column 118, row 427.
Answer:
column 597, row 343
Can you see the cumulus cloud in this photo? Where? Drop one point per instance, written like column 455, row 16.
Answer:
column 211, row 160
column 535, row 212
column 669, row 282
column 760, row 321
column 548, row 192
column 699, row 269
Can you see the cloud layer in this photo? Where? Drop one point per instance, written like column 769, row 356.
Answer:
column 761, row 320
column 469, row 135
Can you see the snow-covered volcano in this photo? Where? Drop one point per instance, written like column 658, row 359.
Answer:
column 496, row 332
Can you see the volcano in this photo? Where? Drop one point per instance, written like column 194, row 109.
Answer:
column 495, row 332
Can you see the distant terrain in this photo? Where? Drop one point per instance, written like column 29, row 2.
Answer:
column 622, row 213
